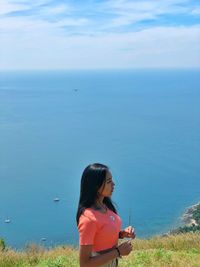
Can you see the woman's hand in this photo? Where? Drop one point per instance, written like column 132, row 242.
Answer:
column 125, row 248
column 128, row 232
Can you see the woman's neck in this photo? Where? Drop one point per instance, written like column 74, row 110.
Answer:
column 100, row 200
column 99, row 205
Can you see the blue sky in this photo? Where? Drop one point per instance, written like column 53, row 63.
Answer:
column 67, row 34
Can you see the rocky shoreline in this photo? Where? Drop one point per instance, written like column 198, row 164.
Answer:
column 189, row 222
column 187, row 217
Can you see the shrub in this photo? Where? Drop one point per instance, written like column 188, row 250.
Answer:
column 2, row 244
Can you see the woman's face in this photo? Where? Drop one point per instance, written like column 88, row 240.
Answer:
column 107, row 189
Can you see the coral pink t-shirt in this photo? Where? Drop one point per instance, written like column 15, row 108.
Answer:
column 101, row 230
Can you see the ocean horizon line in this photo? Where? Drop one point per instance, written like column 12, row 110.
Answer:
column 103, row 69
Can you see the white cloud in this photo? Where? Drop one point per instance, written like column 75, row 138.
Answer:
column 55, row 10
column 48, row 11
column 118, row 13
column 44, row 8
column 7, row 7
column 46, row 18
column 128, row 12
column 72, row 22
column 36, row 41
column 155, row 47
column 21, row 25
column 196, row 11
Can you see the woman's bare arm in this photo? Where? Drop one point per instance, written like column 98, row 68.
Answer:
column 87, row 261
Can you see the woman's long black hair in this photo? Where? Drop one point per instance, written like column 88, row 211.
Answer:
column 93, row 177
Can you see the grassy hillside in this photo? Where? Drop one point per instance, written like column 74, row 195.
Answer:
column 170, row 251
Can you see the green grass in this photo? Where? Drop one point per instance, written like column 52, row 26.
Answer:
column 182, row 250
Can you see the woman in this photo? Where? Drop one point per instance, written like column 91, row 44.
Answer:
column 98, row 223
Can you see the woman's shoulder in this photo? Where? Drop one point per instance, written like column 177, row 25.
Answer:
column 90, row 214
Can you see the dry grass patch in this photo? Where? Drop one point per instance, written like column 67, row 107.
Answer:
column 181, row 250
column 171, row 242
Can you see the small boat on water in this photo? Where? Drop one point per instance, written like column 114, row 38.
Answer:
column 7, row 221
column 43, row 239
column 56, row 199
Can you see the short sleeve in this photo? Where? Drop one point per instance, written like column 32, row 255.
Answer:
column 87, row 230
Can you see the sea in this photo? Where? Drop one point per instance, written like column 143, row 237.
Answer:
column 144, row 124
